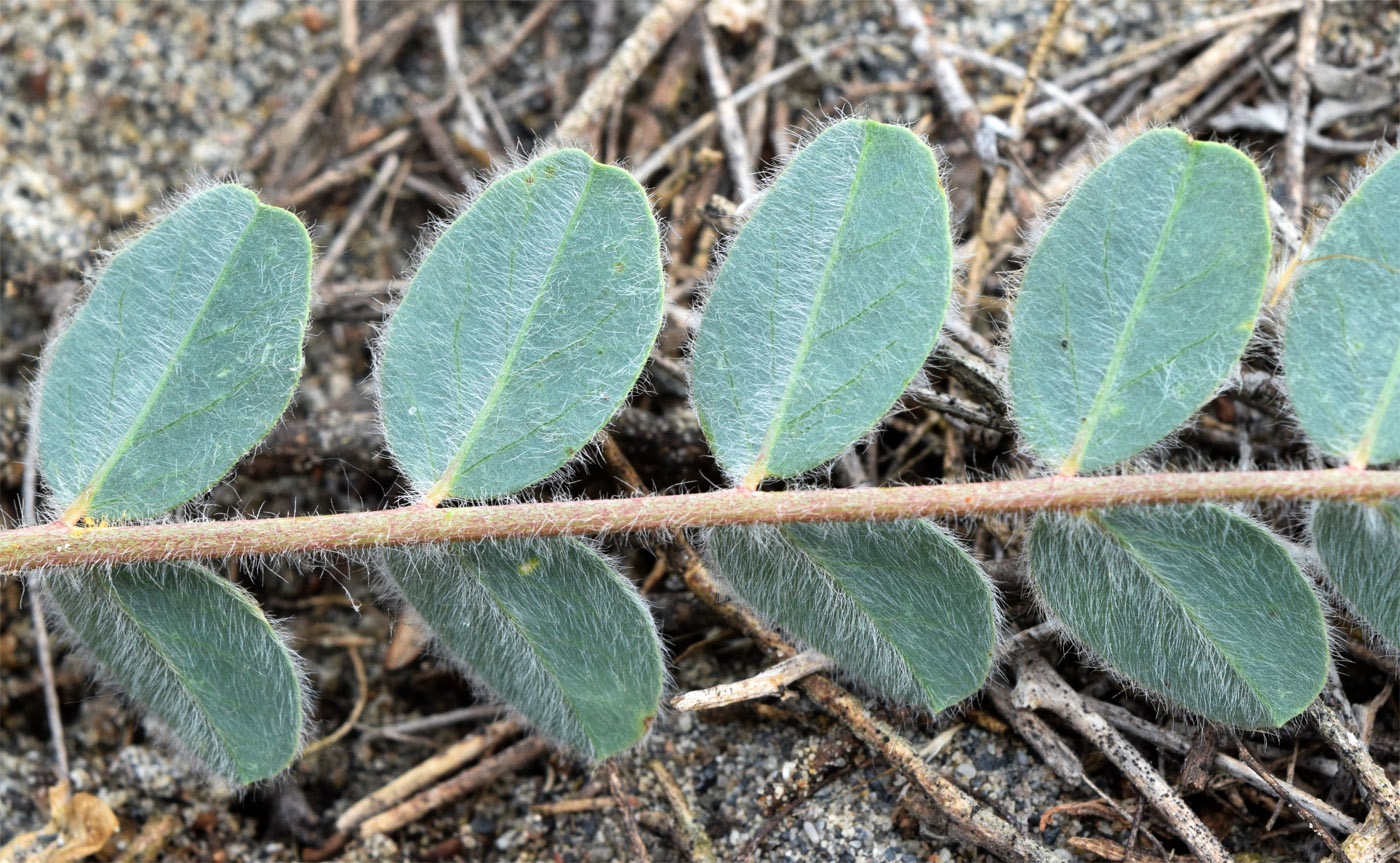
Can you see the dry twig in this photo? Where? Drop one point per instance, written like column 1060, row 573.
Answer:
column 1295, row 142
column 1358, row 761
column 1039, row 686
column 731, row 130
column 361, row 698
column 697, row 841
column 627, row 63
column 464, row 783
column 629, row 818
column 765, row 683
column 1138, row 727
column 1283, row 793
column 425, row 773
column 352, row 223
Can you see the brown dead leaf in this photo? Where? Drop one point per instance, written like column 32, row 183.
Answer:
column 79, row 825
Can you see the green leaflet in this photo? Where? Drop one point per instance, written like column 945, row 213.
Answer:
column 197, row 654
column 524, row 329
column 1138, row 300
column 549, row 627
column 1342, row 342
column 1195, row 603
column 182, row 359
column 1360, row 548
column 898, row 605
column 827, row 305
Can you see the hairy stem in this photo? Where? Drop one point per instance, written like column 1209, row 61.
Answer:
column 60, row 545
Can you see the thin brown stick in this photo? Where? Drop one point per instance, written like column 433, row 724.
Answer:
column 946, row 80
column 1358, row 762
column 658, row 158
column 1048, row 744
column 283, row 141
column 731, row 129
column 1138, row 727
column 58, row 545
column 996, row 189
column 44, row 656
column 627, row 63
column 538, row 15
column 978, row 821
column 1038, row 686
column 1191, row 35
column 464, row 783
column 347, row 169
column 697, row 841
column 576, row 805
column 1283, row 793
column 387, row 168
column 1295, row 141
column 1056, row 94
column 629, row 817
column 437, row 720
column 425, row 773
column 761, row 685
column 1168, row 99
column 43, row 652
column 755, row 125
column 361, row 698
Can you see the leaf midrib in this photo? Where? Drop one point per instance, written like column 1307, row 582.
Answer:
column 165, row 661
column 129, row 437
column 1070, row 465
column 759, row 469
column 523, row 634
column 443, row 487
column 1146, row 566
column 827, row 571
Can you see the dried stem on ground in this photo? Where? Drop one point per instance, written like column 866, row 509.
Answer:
column 1038, row 686
column 1358, row 761
column 1295, row 139
column 761, row 685
column 627, row 63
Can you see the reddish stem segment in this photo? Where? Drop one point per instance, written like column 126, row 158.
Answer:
column 58, row 545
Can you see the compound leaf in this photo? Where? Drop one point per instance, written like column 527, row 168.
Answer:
column 197, row 654
column 1193, row 602
column 1360, row 548
column 549, row 627
column 827, row 305
column 1138, row 300
column 182, row 359
column 898, row 605
column 1342, row 342
column 524, row 329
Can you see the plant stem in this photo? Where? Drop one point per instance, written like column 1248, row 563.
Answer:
column 58, row 545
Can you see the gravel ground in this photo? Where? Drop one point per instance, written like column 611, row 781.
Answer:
column 110, row 106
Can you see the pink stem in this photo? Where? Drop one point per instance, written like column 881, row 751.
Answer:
column 58, row 545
